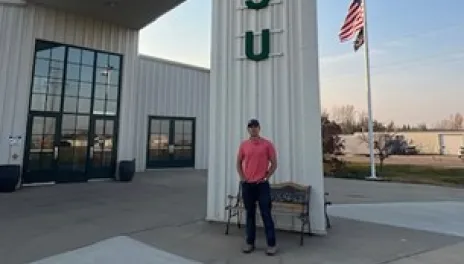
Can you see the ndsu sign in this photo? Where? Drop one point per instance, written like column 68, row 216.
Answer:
column 250, row 35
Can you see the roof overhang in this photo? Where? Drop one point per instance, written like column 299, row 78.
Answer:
column 134, row 14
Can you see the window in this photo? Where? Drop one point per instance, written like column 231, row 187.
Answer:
column 75, row 80
column 106, row 84
column 48, row 77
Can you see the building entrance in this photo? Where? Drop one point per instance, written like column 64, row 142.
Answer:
column 171, row 142
column 73, row 114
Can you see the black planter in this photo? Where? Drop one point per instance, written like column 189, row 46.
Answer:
column 126, row 170
column 9, row 177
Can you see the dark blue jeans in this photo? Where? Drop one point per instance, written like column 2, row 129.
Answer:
column 260, row 193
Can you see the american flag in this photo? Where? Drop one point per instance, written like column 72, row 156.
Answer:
column 354, row 21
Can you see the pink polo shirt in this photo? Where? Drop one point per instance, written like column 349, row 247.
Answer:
column 255, row 155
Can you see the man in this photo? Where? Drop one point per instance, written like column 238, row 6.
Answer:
column 256, row 163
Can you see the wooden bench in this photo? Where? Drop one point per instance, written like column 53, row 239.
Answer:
column 288, row 199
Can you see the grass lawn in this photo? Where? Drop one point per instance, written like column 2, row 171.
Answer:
column 404, row 173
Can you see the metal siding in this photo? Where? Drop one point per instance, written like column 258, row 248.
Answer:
column 451, row 144
column 283, row 92
column 171, row 89
column 428, row 142
column 20, row 26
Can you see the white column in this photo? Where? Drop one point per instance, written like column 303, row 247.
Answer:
column 282, row 91
column 127, row 137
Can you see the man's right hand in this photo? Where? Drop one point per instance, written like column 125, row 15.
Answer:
column 242, row 178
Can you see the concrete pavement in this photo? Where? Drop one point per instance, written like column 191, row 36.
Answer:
column 439, row 217
column 344, row 191
column 161, row 214
column 450, row 255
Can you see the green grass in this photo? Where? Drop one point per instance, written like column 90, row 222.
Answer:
column 405, row 173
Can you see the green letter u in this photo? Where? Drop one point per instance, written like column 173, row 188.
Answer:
column 265, row 46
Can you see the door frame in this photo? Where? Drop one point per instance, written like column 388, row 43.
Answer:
column 114, row 150
column 170, row 163
column 33, row 177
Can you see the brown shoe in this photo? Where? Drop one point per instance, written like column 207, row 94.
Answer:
column 248, row 248
column 271, row 251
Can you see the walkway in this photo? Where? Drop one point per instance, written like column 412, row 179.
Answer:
column 160, row 215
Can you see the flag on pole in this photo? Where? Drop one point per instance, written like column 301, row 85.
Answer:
column 359, row 40
column 354, row 23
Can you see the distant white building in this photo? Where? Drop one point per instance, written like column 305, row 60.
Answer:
column 426, row 142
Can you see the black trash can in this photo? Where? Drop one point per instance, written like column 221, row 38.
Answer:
column 9, row 177
column 126, row 170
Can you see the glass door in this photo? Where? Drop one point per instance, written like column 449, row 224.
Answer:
column 41, row 154
column 102, row 159
column 72, row 148
column 182, row 141
column 73, row 145
column 159, row 138
column 171, row 142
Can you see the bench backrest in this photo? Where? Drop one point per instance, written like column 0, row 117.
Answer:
column 290, row 193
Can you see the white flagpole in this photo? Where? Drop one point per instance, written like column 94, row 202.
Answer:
column 369, row 95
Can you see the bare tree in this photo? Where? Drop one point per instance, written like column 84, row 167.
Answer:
column 453, row 122
column 325, row 113
column 382, row 145
column 457, row 121
column 345, row 116
column 422, row 127
column 363, row 120
column 391, row 127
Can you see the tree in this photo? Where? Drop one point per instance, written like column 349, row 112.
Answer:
column 352, row 121
column 345, row 116
column 331, row 141
column 453, row 122
column 382, row 145
column 391, row 127
column 379, row 126
column 332, row 144
column 422, row 127
column 457, row 121
column 363, row 121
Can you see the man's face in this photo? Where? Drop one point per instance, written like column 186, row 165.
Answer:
column 254, row 131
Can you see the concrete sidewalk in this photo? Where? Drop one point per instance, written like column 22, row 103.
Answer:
column 447, row 255
column 161, row 214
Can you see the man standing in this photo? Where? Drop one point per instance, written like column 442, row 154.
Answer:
column 256, row 162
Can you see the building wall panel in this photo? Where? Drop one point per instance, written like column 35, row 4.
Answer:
column 451, row 144
column 176, row 90
column 20, row 26
column 425, row 142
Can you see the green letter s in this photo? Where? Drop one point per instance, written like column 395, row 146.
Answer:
column 259, row 5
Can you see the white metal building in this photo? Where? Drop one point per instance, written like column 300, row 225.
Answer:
column 77, row 100
column 172, row 91
column 76, row 97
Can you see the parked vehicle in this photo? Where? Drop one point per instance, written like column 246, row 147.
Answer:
column 411, row 150
column 399, row 146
